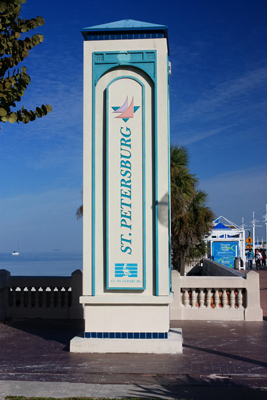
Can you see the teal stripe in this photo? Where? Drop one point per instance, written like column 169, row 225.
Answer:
column 93, row 191
column 107, row 186
column 144, row 186
column 156, row 221
column 169, row 179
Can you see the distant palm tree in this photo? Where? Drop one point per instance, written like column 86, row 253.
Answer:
column 189, row 229
column 190, row 217
column 182, row 182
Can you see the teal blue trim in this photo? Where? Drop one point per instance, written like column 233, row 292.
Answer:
column 169, row 178
column 104, row 61
column 107, row 185
column 93, row 191
column 156, row 221
column 144, row 185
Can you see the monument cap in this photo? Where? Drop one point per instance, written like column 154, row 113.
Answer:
column 125, row 29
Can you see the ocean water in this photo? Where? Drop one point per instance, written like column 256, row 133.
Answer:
column 56, row 263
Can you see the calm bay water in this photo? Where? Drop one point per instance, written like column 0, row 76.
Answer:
column 56, row 263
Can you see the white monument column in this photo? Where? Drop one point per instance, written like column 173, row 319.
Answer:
column 126, row 193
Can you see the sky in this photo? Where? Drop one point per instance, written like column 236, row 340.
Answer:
column 218, row 98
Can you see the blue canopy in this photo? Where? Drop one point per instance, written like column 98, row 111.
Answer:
column 220, row 226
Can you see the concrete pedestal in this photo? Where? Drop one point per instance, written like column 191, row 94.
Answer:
column 170, row 345
column 120, row 313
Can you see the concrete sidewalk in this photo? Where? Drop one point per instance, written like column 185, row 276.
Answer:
column 220, row 360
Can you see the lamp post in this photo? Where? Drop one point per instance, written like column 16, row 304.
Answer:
column 253, row 221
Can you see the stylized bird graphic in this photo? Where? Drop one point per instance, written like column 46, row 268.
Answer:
column 125, row 111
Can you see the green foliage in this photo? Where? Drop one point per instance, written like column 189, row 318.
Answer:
column 13, row 50
column 191, row 218
column 197, row 252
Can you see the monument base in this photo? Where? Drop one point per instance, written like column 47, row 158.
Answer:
column 172, row 345
column 127, row 313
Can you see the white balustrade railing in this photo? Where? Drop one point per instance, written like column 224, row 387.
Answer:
column 226, row 296
column 40, row 297
column 229, row 295
column 213, row 298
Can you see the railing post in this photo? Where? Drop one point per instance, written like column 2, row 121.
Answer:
column 176, row 306
column 76, row 309
column 4, row 293
column 253, row 311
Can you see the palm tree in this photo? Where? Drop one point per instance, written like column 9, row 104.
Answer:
column 182, row 182
column 189, row 229
column 191, row 218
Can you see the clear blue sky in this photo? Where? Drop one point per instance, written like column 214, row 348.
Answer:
column 218, row 111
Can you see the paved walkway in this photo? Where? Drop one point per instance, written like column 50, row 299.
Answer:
column 220, row 360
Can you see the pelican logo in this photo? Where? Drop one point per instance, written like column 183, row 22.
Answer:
column 125, row 111
column 127, row 269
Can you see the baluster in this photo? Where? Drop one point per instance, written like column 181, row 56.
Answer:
column 60, row 297
column 216, row 298
column 56, row 293
column 26, row 297
column 232, row 298
column 186, row 298
column 34, row 296
column 208, row 299
column 239, row 298
column 37, row 297
column 48, row 297
column 52, row 297
column 42, row 297
column 201, row 298
column 193, row 298
column 19, row 297
column 29, row 297
column 21, row 304
column 224, row 298
column 65, row 296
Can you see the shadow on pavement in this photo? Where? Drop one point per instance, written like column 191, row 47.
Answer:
column 203, row 389
column 228, row 355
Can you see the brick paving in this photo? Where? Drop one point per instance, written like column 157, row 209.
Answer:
column 230, row 357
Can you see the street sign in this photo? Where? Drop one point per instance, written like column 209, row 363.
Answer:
column 249, row 240
column 249, row 247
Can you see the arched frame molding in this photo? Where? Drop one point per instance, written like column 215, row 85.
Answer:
column 146, row 63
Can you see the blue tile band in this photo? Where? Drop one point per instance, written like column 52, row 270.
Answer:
column 126, row 335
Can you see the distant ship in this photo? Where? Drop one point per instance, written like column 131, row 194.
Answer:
column 16, row 252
